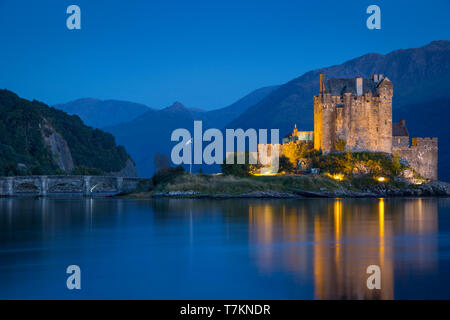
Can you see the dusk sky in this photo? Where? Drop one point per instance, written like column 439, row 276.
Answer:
column 206, row 54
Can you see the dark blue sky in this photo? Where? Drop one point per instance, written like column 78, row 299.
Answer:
column 205, row 54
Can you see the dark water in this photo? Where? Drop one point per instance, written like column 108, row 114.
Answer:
column 227, row 249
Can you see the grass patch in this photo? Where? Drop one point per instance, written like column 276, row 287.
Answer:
column 227, row 184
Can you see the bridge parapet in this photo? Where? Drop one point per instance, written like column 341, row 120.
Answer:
column 86, row 185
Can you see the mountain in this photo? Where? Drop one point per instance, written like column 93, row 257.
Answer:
column 102, row 113
column 220, row 117
column 38, row 139
column 419, row 75
column 150, row 133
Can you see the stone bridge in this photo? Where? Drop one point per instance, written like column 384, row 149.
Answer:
column 86, row 185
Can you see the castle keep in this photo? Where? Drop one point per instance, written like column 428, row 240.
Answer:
column 358, row 113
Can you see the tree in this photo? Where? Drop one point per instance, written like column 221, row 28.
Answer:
column 161, row 161
column 285, row 165
column 294, row 152
column 24, row 125
column 167, row 175
column 396, row 165
column 240, row 170
column 340, row 145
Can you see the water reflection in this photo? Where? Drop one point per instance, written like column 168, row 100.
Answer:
column 347, row 236
column 189, row 249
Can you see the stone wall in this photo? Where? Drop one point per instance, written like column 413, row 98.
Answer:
column 422, row 156
column 363, row 122
column 400, row 141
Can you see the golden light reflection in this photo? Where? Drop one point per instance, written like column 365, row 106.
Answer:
column 381, row 217
column 334, row 241
column 337, row 226
column 319, row 278
column 381, row 231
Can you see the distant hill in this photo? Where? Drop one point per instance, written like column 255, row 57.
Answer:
column 38, row 139
column 102, row 113
column 419, row 75
column 150, row 133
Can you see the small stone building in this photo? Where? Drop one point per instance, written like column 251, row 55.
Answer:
column 301, row 136
column 400, row 135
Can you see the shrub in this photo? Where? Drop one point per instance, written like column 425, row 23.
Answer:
column 240, row 170
column 340, row 145
column 144, row 186
column 166, row 175
column 374, row 163
column 285, row 165
column 295, row 151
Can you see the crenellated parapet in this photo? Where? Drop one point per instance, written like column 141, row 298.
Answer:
column 424, row 142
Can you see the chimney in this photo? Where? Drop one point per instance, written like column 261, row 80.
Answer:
column 322, row 83
column 359, row 86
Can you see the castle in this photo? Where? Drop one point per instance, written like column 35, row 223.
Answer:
column 357, row 113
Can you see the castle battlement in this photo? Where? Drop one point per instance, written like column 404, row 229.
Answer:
column 424, row 142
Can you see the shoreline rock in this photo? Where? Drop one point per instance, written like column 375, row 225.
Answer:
column 432, row 189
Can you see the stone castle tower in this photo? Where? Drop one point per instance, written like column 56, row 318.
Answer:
column 357, row 111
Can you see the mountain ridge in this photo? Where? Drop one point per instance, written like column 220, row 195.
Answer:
column 408, row 69
column 98, row 113
column 159, row 124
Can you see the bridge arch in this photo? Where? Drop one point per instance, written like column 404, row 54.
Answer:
column 26, row 187
column 65, row 187
column 103, row 187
